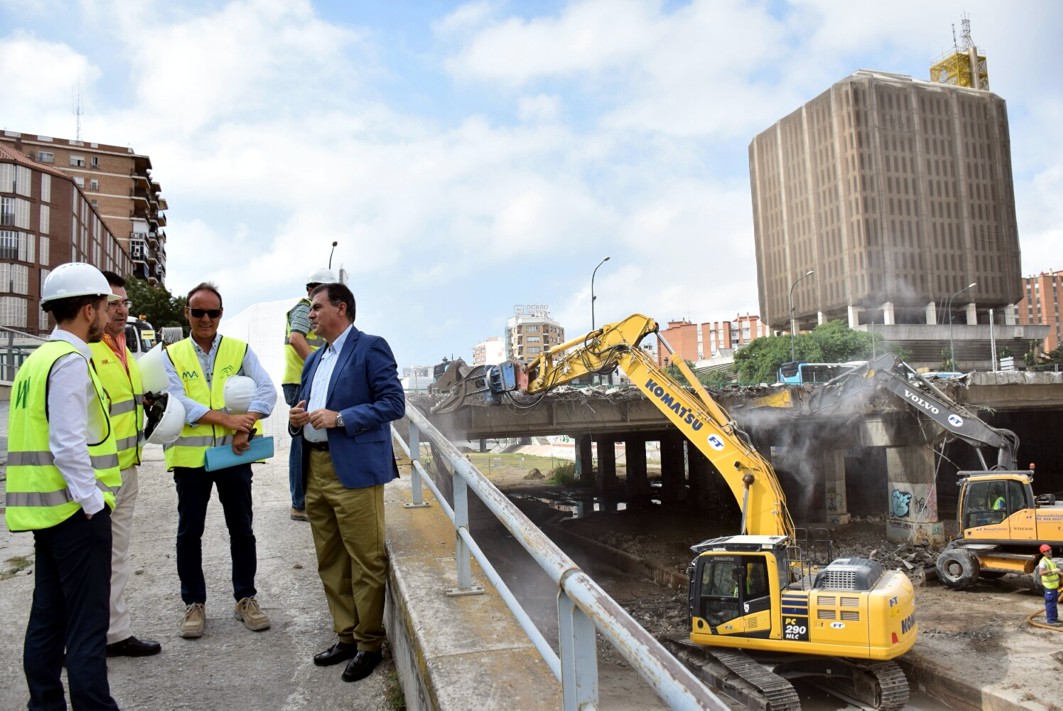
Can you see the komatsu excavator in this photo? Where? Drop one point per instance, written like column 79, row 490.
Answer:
column 760, row 611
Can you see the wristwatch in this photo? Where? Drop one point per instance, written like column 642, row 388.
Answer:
column 339, row 419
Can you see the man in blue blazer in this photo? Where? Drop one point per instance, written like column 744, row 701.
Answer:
column 349, row 394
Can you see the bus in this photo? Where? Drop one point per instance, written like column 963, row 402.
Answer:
column 801, row 373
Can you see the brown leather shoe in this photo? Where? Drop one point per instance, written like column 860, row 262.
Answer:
column 361, row 665
column 299, row 515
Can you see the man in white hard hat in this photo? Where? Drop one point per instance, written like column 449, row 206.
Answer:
column 62, row 472
column 300, row 340
column 118, row 372
column 197, row 369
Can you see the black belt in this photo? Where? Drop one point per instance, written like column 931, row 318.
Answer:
column 316, row 446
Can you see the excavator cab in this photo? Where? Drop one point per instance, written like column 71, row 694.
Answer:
column 990, row 500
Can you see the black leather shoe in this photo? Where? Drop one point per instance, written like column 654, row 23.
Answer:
column 341, row 651
column 133, row 647
column 361, row 665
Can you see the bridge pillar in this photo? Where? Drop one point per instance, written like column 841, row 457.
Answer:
column 638, row 485
column 607, row 481
column 673, row 467
column 832, row 464
column 913, row 506
column 584, row 458
column 707, row 486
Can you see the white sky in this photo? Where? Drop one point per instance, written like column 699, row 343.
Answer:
column 471, row 157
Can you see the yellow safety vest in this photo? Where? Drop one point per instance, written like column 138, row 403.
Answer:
column 1049, row 574
column 191, row 446
column 37, row 494
column 293, row 364
column 127, row 401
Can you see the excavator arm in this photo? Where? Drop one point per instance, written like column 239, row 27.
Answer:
column 693, row 411
column 923, row 396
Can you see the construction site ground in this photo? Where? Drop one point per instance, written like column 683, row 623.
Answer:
column 976, row 647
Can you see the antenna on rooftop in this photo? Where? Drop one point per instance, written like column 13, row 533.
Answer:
column 78, row 111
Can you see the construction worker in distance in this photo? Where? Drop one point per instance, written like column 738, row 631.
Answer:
column 299, row 342
column 997, row 499
column 1048, row 573
column 62, row 472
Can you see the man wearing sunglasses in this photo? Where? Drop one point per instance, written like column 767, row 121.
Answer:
column 197, row 368
column 118, row 372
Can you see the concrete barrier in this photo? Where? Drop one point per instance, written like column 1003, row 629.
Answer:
column 460, row 652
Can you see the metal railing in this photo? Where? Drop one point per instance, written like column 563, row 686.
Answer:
column 15, row 348
column 582, row 606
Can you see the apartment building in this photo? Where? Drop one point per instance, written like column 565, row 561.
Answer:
column 697, row 342
column 119, row 186
column 1040, row 305
column 45, row 220
column 530, row 331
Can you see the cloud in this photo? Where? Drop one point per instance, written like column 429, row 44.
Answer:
column 43, row 78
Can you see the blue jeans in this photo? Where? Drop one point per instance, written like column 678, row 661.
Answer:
column 69, row 614
column 1051, row 609
column 193, row 495
column 295, row 458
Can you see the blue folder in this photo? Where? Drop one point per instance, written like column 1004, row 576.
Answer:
column 223, row 457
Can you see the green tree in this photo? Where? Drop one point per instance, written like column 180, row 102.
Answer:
column 155, row 304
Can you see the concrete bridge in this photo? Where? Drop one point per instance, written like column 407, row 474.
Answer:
column 866, row 453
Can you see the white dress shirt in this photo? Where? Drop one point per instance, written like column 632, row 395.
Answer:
column 319, row 386
column 75, row 418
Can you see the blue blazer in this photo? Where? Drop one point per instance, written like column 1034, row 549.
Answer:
column 365, row 389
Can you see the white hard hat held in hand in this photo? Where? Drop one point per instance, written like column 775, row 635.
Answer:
column 152, row 370
column 165, row 419
column 239, row 392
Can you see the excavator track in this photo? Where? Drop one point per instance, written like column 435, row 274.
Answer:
column 892, row 686
column 737, row 676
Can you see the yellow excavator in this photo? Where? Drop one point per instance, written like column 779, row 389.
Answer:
column 761, row 611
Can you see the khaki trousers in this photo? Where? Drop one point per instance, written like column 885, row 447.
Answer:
column 348, row 529
column 121, row 531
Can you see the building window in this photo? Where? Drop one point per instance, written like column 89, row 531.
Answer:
column 46, row 187
column 45, row 156
column 94, row 185
column 79, row 181
column 95, row 161
column 13, row 311
column 77, row 161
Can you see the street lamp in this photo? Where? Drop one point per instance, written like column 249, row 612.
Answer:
column 952, row 350
column 593, row 297
column 809, row 273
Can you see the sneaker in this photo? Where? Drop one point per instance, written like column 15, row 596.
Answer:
column 252, row 615
column 194, row 622
column 299, row 515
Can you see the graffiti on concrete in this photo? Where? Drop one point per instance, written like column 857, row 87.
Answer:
column 913, row 502
column 900, row 503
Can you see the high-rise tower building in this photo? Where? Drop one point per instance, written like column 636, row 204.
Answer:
column 1041, row 305
column 118, row 184
column 898, row 194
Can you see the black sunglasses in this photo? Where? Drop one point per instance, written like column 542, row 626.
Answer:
column 200, row 313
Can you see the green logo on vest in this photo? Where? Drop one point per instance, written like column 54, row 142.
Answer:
column 227, row 370
column 189, row 375
column 23, row 394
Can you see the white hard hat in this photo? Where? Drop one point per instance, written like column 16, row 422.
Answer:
column 321, row 276
column 152, row 370
column 239, row 392
column 75, row 279
column 165, row 419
